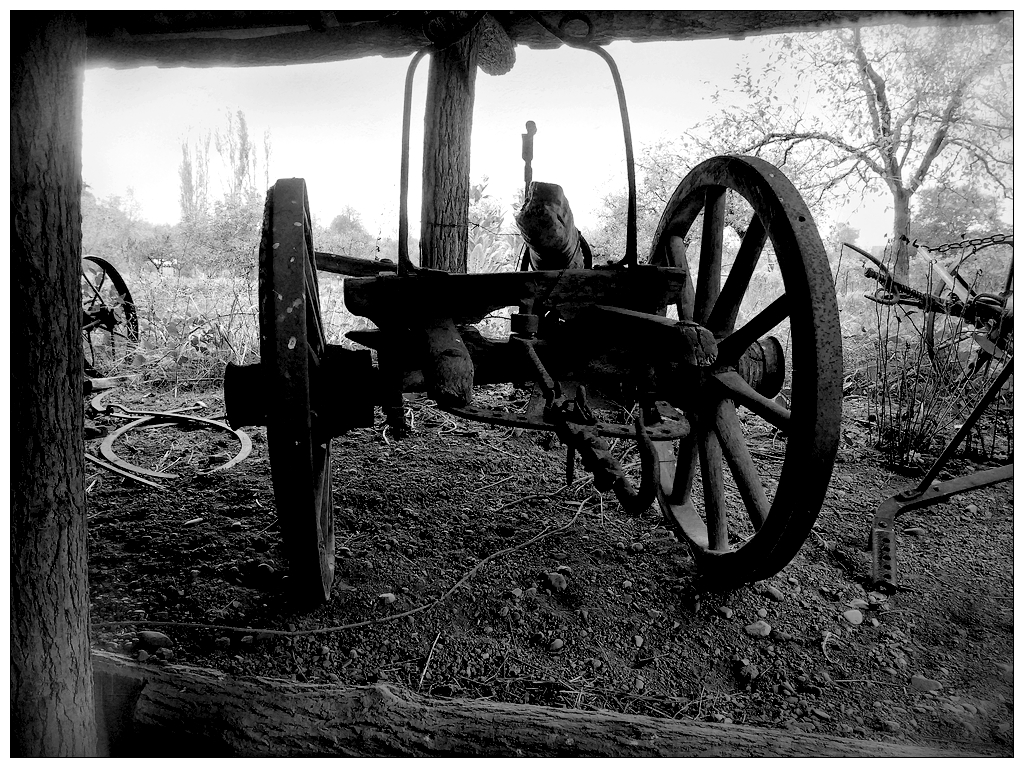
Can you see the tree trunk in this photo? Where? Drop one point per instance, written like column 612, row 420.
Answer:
column 901, row 236
column 186, row 711
column 51, row 681
column 446, row 143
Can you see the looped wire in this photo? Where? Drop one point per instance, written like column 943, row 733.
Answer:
column 562, row 33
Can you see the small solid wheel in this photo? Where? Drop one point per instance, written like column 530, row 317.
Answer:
column 108, row 314
column 757, row 507
column 292, row 346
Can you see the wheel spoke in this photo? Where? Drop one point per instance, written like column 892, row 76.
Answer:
column 677, row 258
column 715, row 507
column 95, row 291
column 722, row 319
column 745, row 395
column 734, row 447
column 733, row 346
column 709, row 273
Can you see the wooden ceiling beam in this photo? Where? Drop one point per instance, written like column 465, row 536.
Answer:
column 249, row 39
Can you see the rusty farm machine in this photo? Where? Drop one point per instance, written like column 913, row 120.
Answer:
column 977, row 321
column 683, row 338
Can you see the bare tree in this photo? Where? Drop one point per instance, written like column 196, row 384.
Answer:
column 895, row 106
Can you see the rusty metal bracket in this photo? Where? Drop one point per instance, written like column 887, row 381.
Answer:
column 597, row 458
column 883, row 531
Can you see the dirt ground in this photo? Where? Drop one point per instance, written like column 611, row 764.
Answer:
column 627, row 627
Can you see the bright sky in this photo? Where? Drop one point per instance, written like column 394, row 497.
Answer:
column 339, row 126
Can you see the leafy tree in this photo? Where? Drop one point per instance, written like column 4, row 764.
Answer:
column 194, row 179
column 490, row 247
column 659, row 169
column 112, row 228
column 893, row 106
column 945, row 214
column 222, row 234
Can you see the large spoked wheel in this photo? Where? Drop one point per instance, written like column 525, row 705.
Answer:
column 760, row 269
column 292, row 346
column 110, row 324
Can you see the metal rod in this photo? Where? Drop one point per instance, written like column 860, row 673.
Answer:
column 531, row 129
column 404, row 262
column 964, row 430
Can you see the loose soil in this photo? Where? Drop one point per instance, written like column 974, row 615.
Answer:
column 629, row 627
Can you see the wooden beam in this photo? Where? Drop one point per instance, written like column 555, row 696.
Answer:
column 187, row 711
column 394, row 301
column 128, row 40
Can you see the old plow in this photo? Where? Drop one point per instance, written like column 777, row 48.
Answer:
column 985, row 320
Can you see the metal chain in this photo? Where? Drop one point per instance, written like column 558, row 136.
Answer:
column 974, row 242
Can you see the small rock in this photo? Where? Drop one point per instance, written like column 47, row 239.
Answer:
column 774, row 593
column 853, row 616
column 857, row 603
column 653, row 614
column 758, row 629
column 265, row 569
column 820, row 713
column 892, row 726
column 922, row 683
column 971, row 509
column 236, row 525
column 637, row 547
column 726, row 611
column 517, row 593
column 143, row 655
column 627, row 584
column 762, row 613
column 504, row 611
column 193, row 521
column 165, row 653
column 916, row 531
column 556, row 645
column 638, row 641
column 531, row 592
column 556, row 581
column 387, row 598
column 247, row 640
column 639, row 683
column 150, row 640
column 876, row 623
column 223, row 643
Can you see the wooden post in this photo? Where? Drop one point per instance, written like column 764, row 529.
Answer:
column 51, row 677
column 447, row 129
